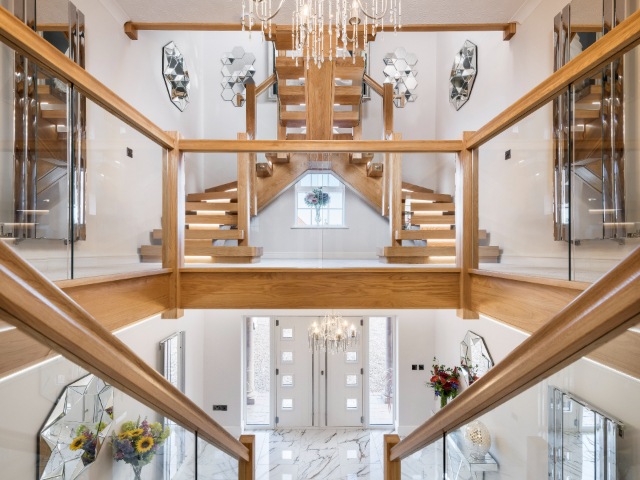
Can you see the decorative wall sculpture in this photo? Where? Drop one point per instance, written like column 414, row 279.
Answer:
column 400, row 71
column 237, row 69
column 176, row 76
column 463, row 74
column 475, row 358
column 76, row 429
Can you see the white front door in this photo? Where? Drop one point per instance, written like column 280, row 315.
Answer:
column 316, row 388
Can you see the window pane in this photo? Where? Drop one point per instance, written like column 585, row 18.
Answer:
column 381, row 382
column 335, row 200
column 304, row 216
column 335, row 217
column 258, row 370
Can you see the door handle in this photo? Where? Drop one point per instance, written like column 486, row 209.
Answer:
column 321, row 372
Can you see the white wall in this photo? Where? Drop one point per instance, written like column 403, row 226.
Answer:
column 27, row 398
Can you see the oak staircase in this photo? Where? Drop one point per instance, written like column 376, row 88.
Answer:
column 316, row 104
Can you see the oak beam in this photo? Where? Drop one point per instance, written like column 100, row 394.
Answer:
column 467, row 253
column 320, row 146
column 392, row 469
column 394, row 189
column 173, row 223
column 244, row 193
column 396, row 288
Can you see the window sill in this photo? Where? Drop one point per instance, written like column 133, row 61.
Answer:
column 319, row 227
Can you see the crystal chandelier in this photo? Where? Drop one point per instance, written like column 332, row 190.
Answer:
column 333, row 334
column 338, row 18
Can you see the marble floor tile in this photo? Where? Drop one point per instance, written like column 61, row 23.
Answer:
column 317, row 453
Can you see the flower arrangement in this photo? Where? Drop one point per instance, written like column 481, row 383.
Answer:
column 138, row 442
column 87, row 441
column 445, row 382
column 317, row 199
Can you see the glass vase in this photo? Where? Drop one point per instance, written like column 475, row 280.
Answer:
column 318, row 217
column 137, row 472
column 443, row 401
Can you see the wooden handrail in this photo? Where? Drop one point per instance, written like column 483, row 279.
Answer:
column 320, row 146
column 264, row 86
column 36, row 306
column 600, row 313
column 619, row 40
column 20, row 37
column 375, row 86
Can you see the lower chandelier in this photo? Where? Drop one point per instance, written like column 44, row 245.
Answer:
column 334, row 334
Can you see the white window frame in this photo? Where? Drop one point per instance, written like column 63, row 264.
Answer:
column 340, row 188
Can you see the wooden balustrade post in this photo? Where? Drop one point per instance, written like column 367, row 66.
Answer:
column 252, row 130
column 386, row 172
column 173, row 197
column 392, row 469
column 244, row 193
column 467, row 249
column 247, row 468
column 395, row 193
column 387, row 108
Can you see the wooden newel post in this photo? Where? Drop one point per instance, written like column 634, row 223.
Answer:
column 391, row 469
column 247, row 469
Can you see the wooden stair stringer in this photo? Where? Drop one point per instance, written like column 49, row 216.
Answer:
column 284, row 175
column 355, row 176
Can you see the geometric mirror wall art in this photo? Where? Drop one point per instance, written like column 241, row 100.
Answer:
column 475, row 358
column 176, row 76
column 76, row 429
column 237, row 70
column 463, row 74
column 400, row 70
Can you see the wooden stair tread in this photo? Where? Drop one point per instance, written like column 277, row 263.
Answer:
column 586, row 114
column 223, row 251
column 433, row 220
column 433, row 197
column 286, row 68
column 345, row 69
column 347, row 95
column 293, row 119
column 431, row 207
column 211, row 207
column 212, row 234
column 45, row 95
column 223, row 188
column 211, row 219
column 411, row 188
column 291, row 94
column 197, row 197
column 419, row 251
column 346, row 119
column 433, row 234
column 264, row 169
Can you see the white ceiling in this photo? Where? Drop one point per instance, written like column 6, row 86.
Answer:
column 413, row 11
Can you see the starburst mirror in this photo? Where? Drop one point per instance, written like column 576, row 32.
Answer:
column 76, row 429
column 463, row 74
column 176, row 75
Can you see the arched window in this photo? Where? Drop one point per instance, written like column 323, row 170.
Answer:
column 319, row 201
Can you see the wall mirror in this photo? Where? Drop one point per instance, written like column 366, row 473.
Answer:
column 475, row 358
column 583, row 441
column 76, row 429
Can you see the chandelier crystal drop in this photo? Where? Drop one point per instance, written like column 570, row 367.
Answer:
column 322, row 28
column 334, row 334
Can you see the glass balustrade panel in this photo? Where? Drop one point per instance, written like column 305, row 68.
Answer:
column 34, row 164
column 118, row 197
column 606, row 168
column 214, row 463
column 524, row 195
column 425, row 464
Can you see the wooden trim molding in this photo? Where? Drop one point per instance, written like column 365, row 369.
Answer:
column 37, row 307
column 320, row 146
column 20, row 37
column 619, row 40
column 598, row 315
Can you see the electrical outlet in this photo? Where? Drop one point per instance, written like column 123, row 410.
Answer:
column 219, row 408
column 129, row 152
column 507, row 155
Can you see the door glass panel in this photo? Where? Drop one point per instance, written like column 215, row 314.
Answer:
column 287, row 357
column 351, row 357
column 287, row 333
column 287, row 380
column 351, row 380
column 381, row 367
column 352, row 403
column 287, row 404
column 258, row 375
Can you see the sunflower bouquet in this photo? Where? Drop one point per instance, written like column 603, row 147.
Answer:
column 87, row 441
column 138, row 442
